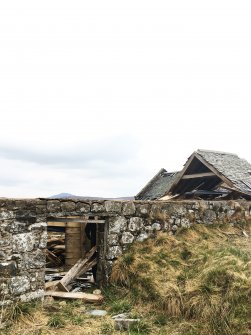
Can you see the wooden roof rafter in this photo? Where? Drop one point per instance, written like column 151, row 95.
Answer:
column 212, row 173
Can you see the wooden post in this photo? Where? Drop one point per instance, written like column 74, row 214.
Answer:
column 73, row 245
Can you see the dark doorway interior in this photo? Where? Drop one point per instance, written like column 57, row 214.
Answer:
column 71, row 239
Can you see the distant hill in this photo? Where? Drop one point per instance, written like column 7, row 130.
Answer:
column 80, row 197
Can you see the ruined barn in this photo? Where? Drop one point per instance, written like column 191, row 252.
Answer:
column 206, row 175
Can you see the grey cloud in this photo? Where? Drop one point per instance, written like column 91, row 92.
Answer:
column 113, row 151
column 9, row 182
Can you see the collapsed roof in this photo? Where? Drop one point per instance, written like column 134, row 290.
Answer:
column 158, row 186
column 206, row 174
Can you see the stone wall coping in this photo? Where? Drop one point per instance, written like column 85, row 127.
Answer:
column 37, row 201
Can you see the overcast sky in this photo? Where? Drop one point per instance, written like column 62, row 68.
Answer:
column 97, row 96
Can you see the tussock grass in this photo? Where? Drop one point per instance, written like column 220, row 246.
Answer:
column 202, row 276
column 196, row 283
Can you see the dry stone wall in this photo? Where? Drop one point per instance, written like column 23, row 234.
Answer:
column 23, row 238
column 23, row 232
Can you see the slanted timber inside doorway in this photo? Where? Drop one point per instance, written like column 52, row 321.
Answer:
column 70, row 238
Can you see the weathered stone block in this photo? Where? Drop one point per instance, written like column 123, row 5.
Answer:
column 122, row 322
column 127, row 238
column 39, row 226
column 97, row 207
column 32, row 295
column 83, row 207
column 2, row 255
column 8, row 269
column 156, row 226
column 113, row 239
column 142, row 237
column 196, row 206
column 142, row 210
column 117, row 224
column 18, row 227
column 4, row 289
column 148, row 228
column 5, row 243
column 26, row 215
column 19, row 285
column 41, row 209
column 113, row 206
column 68, row 206
column 180, row 209
column 209, row 216
column 129, row 208
column 43, row 240
column 35, row 260
column 185, row 223
column 114, row 252
column 135, row 224
column 53, row 206
column 23, row 242
column 5, row 214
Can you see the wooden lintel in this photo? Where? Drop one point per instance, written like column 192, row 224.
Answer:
column 63, row 224
column 79, row 220
column 198, row 175
column 70, row 224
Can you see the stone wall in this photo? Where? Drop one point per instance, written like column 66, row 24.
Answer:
column 136, row 221
column 23, row 232
column 23, row 239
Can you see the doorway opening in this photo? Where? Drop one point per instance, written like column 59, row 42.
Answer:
column 72, row 240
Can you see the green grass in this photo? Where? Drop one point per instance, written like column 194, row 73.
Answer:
column 56, row 321
column 200, row 277
column 196, row 283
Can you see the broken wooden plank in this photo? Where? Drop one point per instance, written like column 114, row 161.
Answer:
column 49, row 285
column 54, row 240
column 51, row 270
column 82, row 265
column 88, row 297
column 53, row 258
column 61, row 247
column 64, row 287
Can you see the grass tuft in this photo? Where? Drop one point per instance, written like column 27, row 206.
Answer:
column 202, row 277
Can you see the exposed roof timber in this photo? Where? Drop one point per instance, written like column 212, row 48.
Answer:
column 212, row 168
column 203, row 170
column 182, row 172
column 198, row 175
column 209, row 166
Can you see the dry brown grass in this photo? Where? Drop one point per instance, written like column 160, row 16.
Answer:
column 202, row 276
column 196, row 283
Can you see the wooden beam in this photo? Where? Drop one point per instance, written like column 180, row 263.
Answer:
column 181, row 173
column 88, row 297
column 212, row 168
column 53, row 258
column 63, row 224
column 80, row 267
column 71, row 220
column 198, row 175
column 51, row 285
